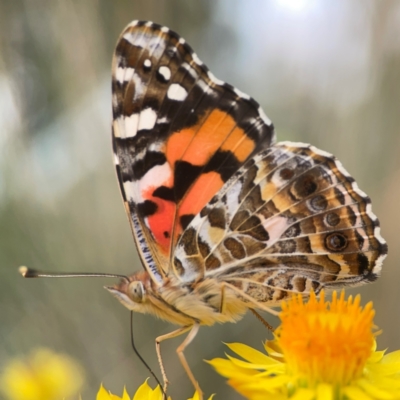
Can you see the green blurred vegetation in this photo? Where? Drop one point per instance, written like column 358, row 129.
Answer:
column 327, row 73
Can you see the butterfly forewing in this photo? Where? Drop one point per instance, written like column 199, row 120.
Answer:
column 178, row 135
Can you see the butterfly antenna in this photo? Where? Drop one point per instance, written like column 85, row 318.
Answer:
column 33, row 273
column 142, row 359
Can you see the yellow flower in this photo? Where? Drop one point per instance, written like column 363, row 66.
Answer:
column 44, row 375
column 326, row 342
column 145, row 392
column 322, row 350
column 104, row 395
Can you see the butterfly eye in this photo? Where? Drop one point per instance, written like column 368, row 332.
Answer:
column 136, row 291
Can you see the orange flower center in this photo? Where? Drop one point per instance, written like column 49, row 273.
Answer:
column 326, row 341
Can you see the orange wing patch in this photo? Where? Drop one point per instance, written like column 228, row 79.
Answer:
column 200, row 193
column 161, row 222
column 199, row 143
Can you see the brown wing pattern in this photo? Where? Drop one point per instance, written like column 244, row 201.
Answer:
column 179, row 134
column 291, row 220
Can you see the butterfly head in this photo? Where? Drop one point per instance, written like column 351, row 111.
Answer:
column 132, row 293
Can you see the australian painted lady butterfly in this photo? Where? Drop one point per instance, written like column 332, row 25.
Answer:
column 224, row 218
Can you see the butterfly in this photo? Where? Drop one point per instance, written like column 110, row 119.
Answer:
column 224, row 218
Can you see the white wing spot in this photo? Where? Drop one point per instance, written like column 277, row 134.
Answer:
column 131, row 126
column 140, row 87
column 182, row 40
column 275, row 227
column 358, row 190
column 378, row 264
column 135, row 122
column 232, row 197
column 204, row 86
column 124, row 74
column 164, row 29
column 117, row 126
column 196, row 59
column 149, row 23
column 191, row 70
column 165, row 72
column 377, row 233
column 147, row 63
column 154, row 44
column 155, row 177
column 177, row 92
column 116, row 159
column 147, row 119
column 320, row 152
column 286, row 143
column 163, row 120
column 131, row 191
column 254, row 122
column 133, row 23
column 369, row 212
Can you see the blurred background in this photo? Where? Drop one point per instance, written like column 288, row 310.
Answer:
column 325, row 72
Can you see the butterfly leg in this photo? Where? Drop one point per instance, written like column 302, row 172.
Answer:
column 179, row 350
column 262, row 320
column 222, row 306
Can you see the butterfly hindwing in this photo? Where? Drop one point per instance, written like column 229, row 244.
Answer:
column 292, row 219
column 178, row 135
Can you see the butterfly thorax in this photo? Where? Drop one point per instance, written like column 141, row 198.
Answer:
column 182, row 304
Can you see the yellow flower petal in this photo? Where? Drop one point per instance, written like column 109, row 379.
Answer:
column 44, row 375
column 143, row 392
column 102, row 394
column 303, row 394
column 355, row 393
column 384, row 369
column 268, row 385
column 273, row 349
column 247, row 365
column 376, row 356
column 125, row 395
column 374, row 391
column 249, row 354
column 393, row 357
column 195, row 396
column 325, row 392
column 156, row 394
column 227, row 369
